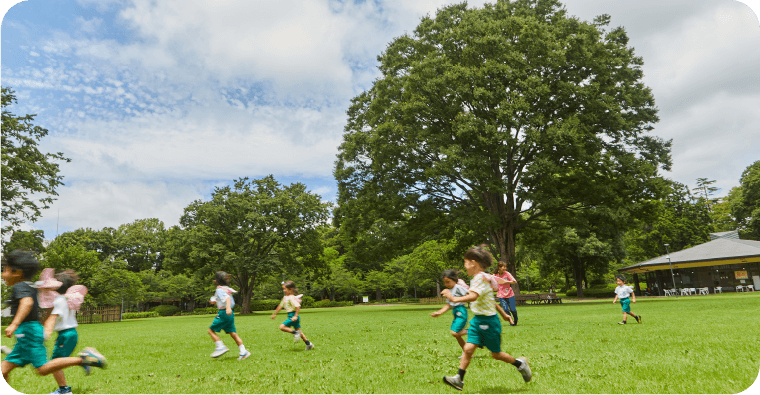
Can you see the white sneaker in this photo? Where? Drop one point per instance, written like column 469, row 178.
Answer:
column 245, row 355
column 296, row 336
column 454, row 381
column 525, row 369
column 219, row 352
column 5, row 350
column 310, row 346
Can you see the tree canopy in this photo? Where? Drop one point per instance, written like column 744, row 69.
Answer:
column 498, row 119
column 26, row 172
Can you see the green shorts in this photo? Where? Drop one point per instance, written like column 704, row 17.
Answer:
column 293, row 324
column 626, row 304
column 65, row 343
column 224, row 322
column 460, row 318
column 485, row 330
column 29, row 345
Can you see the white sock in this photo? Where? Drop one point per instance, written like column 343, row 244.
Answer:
column 242, row 348
column 219, row 344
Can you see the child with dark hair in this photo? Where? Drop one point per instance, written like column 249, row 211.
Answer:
column 485, row 327
column 452, row 282
column 626, row 295
column 292, row 304
column 18, row 269
column 225, row 319
column 59, row 291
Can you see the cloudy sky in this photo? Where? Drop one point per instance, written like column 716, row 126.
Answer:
column 157, row 102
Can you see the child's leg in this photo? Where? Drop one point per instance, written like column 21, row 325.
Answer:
column 286, row 329
column 303, row 337
column 6, row 368
column 502, row 356
column 57, row 364
column 460, row 337
column 60, row 378
column 236, row 338
column 214, row 336
column 469, row 349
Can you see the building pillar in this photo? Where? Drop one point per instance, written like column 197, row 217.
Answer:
column 636, row 284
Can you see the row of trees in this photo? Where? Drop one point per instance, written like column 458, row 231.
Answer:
column 515, row 125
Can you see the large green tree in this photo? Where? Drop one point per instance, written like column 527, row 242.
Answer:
column 497, row 119
column 26, row 172
column 745, row 202
column 250, row 229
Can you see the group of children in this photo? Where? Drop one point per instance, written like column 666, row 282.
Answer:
column 56, row 290
column 59, row 290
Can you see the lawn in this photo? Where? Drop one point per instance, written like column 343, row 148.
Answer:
column 693, row 344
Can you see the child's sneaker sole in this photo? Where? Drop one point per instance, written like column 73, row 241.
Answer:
column 91, row 357
column 525, row 371
column 244, row 356
column 218, row 353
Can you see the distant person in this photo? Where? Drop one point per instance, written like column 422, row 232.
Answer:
column 485, row 326
column 506, row 294
column 61, row 292
column 225, row 318
column 626, row 295
column 457, row 288
column 292, row 304
column 18, row 269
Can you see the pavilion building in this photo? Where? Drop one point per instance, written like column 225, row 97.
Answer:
column 725, row 261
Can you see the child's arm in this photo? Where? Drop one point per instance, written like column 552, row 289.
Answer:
column 470, row 297
column 295, row 316
column 229, row 305
column 49, row 325
column 444, row 309
column 277, row 310
column 503, row 314
column 633, row 297
column 24, row 308
column 614, row 300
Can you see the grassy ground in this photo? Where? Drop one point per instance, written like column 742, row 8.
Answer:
column 694, row 344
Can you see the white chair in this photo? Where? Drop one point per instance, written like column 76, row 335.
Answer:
column 684, row 291
column 704, row 291
column 693, row 291
column 751, row 288
column 718, row 290
column 739, row 288
column 668, row 292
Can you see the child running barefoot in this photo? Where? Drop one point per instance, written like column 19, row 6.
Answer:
column 451, row 281
column 225, row 319
column 623, row 292
column 292, row 305
column 60, row 292
column 485, row 327
column 18, row 269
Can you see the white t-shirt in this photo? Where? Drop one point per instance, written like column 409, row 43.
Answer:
column 290, row 303
column 221, row 296
column 485, row 304
column 66, row 318
column 457, row 291
column 623, row 291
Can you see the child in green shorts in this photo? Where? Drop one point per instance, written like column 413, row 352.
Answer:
column 625, row 294
column 61, row 292
column 225, row 318
column 450, row 280
column 18, row 269
column 485, row 327
column 292, row 305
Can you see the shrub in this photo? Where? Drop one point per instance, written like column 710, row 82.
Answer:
column 307, row 302
column 6, row 321
column 331, row 303
column 264, row 304
column 204, row 310
column 141, row 314
column 165, row 310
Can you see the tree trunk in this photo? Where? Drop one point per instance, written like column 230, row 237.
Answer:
column 578, row 275
column 378, row 295
column 246, row 292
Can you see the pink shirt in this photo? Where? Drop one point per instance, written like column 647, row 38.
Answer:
column 505, row 290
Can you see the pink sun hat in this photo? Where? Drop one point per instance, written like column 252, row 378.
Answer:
column 47, row 286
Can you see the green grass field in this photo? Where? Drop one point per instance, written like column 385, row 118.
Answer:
column 694, row 344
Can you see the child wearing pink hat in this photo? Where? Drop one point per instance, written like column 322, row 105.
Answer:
column 59, row 291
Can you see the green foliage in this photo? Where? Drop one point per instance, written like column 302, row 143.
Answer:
column 264, row 304
column 165, row 310
column 745, row 202
column 250, row 230
column 480, row 111
column 25, row 170
column 141, row 314
column 26, row 240
column 141, row 244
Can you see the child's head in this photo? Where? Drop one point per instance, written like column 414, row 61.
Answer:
column 222, row 278
column 620, row 279
column 479, row 255
column 19, row 266
column 450, row 278
column 68, row 279
column 289, row 287
column 502, row 266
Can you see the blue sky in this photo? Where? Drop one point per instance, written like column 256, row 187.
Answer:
column 157, row 102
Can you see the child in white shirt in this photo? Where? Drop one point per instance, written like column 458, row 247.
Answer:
column 225, row 318
column 292, row 305
column 451, row 281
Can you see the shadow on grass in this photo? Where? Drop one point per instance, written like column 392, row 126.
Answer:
column 504, row 390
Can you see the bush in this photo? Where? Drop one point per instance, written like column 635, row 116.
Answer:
column 264, row 304
column 203, row 310
column 6, row 321
column 165, row 310
column 597, row 291
column 142, row 314
column 331, row 303
column 307, row 302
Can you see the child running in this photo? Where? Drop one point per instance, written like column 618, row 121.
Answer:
column 485, row 327
column 292, row 305
column 623, row 292
column 225, row 319
column 451, row 281
column 18, row 269
column 60, row 292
